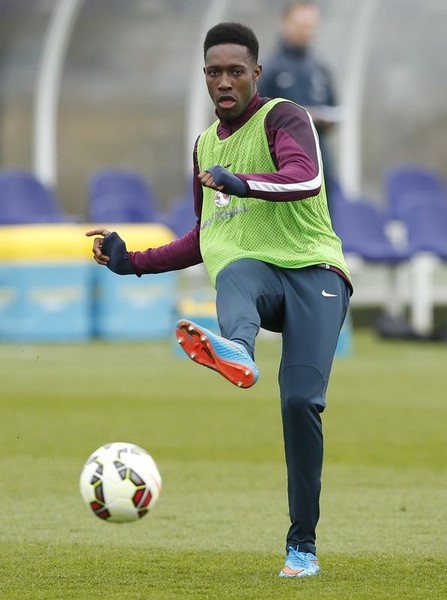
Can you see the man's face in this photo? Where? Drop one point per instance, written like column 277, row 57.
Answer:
column 300, row 25
column 231, row 77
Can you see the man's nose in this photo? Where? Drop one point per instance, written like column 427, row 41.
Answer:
column 225, row 82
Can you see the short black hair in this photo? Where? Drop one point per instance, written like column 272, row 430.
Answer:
column 232, row 33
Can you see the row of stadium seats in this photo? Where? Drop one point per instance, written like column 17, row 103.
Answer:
column 414, row 196
column 114, row 196
column 413, row 220
column 410, row 229
column 408, row 237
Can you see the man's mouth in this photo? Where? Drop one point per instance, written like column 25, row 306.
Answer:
column 226, row 101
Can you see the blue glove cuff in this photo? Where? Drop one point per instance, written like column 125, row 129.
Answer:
column 232, row 184
column 115, row 248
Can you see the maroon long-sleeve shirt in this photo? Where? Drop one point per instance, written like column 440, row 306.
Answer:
column 295, row 152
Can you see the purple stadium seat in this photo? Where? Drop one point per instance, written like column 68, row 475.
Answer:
column 427, row 228
column 119, row 195
column 407, row 183
column 25, row 200
column 361, row 227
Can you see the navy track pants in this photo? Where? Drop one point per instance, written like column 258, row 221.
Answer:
column 307, row 306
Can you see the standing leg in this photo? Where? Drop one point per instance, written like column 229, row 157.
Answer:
column 311, row 327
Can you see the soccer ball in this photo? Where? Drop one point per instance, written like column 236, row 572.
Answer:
column 120, row 482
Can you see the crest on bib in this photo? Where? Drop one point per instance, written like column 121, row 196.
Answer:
column 221, row 199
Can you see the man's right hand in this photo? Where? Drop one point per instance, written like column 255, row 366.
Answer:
column 110, row 250
column 98, row 255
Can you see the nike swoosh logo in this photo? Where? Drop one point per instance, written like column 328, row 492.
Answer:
column 327, row 294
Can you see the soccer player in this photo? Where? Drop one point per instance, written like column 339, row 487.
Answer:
column 264, row 233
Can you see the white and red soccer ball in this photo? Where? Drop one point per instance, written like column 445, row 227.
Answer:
column 120, row 482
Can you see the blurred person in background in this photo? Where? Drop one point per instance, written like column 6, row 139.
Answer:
column 264, row 233
column 293, row 72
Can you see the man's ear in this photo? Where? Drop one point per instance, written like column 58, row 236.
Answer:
column 257, row 72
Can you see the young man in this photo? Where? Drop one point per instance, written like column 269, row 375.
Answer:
column 265, row 236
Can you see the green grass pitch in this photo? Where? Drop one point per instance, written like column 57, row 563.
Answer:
column 218, row 529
